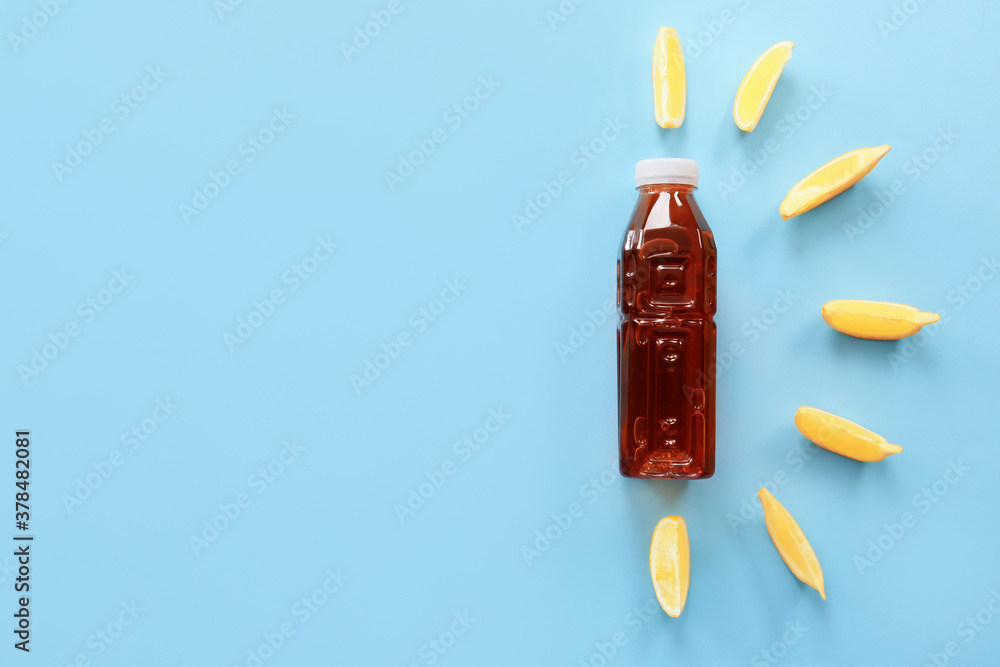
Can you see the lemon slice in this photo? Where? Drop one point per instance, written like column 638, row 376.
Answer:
column 670, row 564
column 842, row 436
column 830, row 180
column 758, row 84
column 791, row 543
column 669, row 80
column 876, row 320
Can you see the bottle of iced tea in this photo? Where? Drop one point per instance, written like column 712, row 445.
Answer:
column 666, row 337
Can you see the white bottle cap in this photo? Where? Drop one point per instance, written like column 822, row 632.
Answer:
column 666, row 170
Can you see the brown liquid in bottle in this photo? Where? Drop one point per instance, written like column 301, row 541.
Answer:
column 666, row 338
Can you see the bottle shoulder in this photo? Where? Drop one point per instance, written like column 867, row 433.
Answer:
column 661, row 217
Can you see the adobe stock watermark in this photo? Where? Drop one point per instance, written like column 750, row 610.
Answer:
column 32, row 24
column 561, row 12
column 463, row 451
column 970, row 628
column 915, row 167
column 102, row 639
column 581, row 159
column 635, row 620
column 786, row 127
column 959, row 296
column 132, row 439
column 302, row 611
column 453, row 118
column 750, row 506
column 121, row 108
column 368, row 31
column 923, row 501
column 435, row 648
column 293, row 278
column 593, row 320
column 579, row 334
column 223, row 8
column 752, row 330
column 773, row 654
column 247, row 151
column 561, row 522
column 231, row 510
column 696, row 45
column 420, row 320
column 87, row 311
column 899, row 16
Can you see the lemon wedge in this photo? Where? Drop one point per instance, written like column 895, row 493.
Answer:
column 758, row 84
column 842, row 436
column 830, row 180
column 791, row 543
column 670, row 564
column 669, row 79
column 876, row 320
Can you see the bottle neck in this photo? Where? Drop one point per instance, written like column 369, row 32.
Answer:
column 681, row 188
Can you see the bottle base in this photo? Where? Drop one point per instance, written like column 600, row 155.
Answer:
column 648, row 469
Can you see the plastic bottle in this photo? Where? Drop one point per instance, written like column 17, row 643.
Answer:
column 666, row 336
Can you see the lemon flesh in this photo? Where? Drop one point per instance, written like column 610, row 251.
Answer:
column 669, row 79
column 830, row 180
column 758, row 84
column 670, row 564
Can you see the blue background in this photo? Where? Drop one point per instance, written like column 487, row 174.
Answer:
column 126, row 537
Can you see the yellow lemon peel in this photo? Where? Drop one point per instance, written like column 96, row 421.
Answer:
column 876, row 320
column 791, row 543
column 842, row 436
